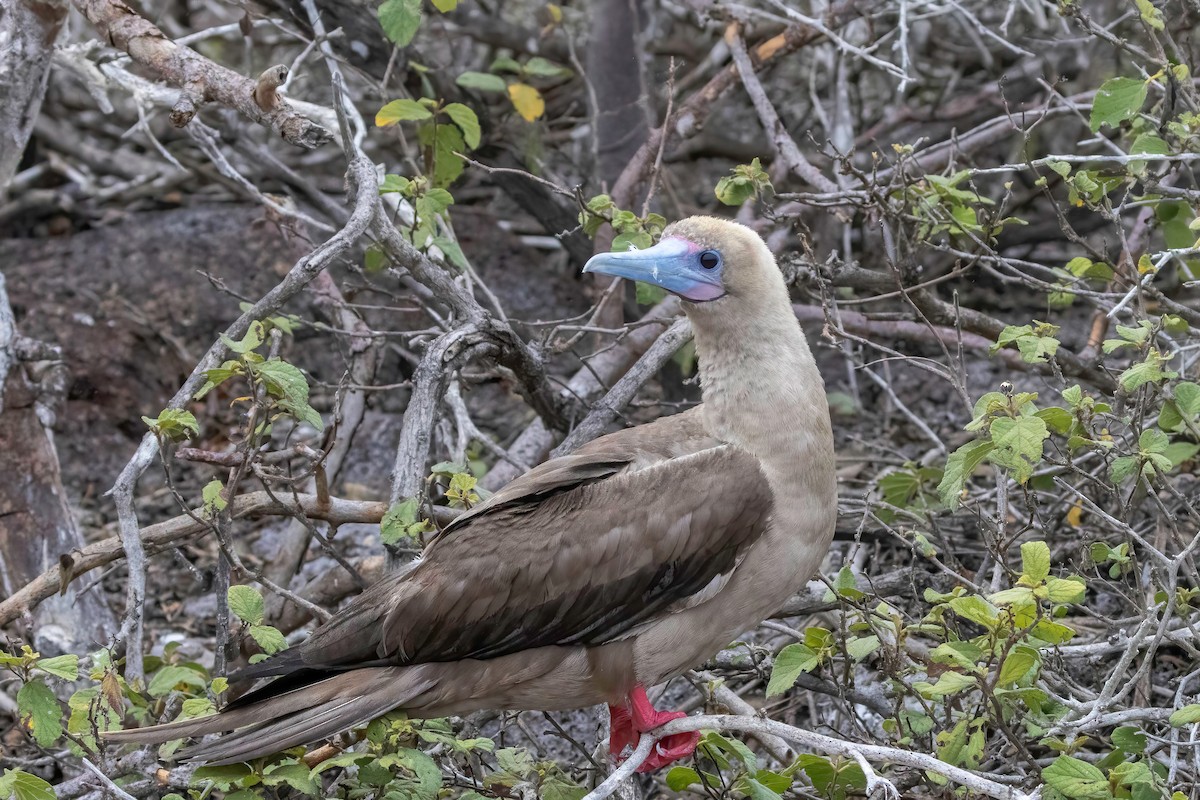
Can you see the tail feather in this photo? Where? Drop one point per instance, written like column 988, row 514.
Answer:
column 300, row 715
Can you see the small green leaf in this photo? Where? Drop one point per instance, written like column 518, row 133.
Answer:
column 394, row 184
column 173, row 423
column 1058, row 419
column 40, row 712
column 948, row 684
column 246, row 603
column 1076, row 779
column 974, row 608
column 1131, row 740
column 441, row 143
column 1035, row 561
column 445, row 6
column 1118, row 100
column 213, row 498
column 1150, row 15
column 481, row 81
column 20, row 785
column 959, row 467
column 1017, row 664
column 1018, row 444
column 65, row 666
column 545, row 68
column 679, row 778
column 1066, row 590
column 401, row 111
column 792, row 661
column 268, row 638
column 1185, row 716
column 169, row 677
column 400, row 20
column 467, row 122
column 860, row 647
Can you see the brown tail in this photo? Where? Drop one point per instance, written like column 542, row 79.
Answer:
column 296, row 716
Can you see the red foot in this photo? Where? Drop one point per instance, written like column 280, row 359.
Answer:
column 626, row 724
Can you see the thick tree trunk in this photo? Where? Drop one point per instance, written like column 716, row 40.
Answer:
column 37, row 529
column 28, row 30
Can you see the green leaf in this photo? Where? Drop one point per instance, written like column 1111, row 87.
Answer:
column 1153, row 440
column 20, row 785
column 1058, row 419
column 974, row 608
column 514, row 761
column 246, row 603
column 1123, row 467
column 296, row 775
column 733, row 190
column 544, row 68
column 679, row 778
column 1131, row 740
column 223, row 777
column 40, row 712
column 212, row 498
column 792, row 661
column 949, row 683
column 959, row 466
column 1017, row 664
column 65, row 666
column 441, row 144
column 633, row 240
column 1066, row 590
column 401, row 111
column 755, row 790
column 1179, row 452
column 1051, row 632
column 1118, row 100
column 402, row 521
column 467, row 122
column 1076, row 779
column 1018, row 444
column 288, row 386
column 1035, row 561
column 169, row 677
column 1185, row 716
column 1150, row 15
column 394, row 184
column 860, row 647
column 269, row 639
column 445, row 6
column 1146, row 143
column 481, row 81
column 174, row 423
column 400, row 20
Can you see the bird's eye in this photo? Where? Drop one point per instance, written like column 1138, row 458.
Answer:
column 710, row 259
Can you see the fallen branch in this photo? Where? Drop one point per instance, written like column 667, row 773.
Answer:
column 199, row 79
column 808, row 741
column 179, row 530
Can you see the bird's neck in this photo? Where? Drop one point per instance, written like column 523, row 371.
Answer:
column 763, row 393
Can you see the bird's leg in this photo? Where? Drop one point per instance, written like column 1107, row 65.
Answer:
column 627, row 724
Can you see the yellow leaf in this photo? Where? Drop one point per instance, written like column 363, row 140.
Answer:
column 527, row 100
column 555, row 12
column 1075, row 516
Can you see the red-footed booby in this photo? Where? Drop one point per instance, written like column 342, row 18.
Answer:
column 599, row 573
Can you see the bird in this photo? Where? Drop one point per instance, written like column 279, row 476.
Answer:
column 599, row 573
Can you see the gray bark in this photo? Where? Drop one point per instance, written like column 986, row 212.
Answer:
column 37, row 529
column 28, row 30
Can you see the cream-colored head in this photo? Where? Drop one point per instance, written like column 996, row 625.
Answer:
column 722, row 270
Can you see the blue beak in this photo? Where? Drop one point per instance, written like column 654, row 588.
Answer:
column 673, row 264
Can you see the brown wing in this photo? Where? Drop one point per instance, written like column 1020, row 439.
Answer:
column 579, row 551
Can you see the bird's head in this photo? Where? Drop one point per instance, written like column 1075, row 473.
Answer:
column 713, row 264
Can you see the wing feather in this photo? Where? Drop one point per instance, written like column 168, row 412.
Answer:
column 645, row 523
